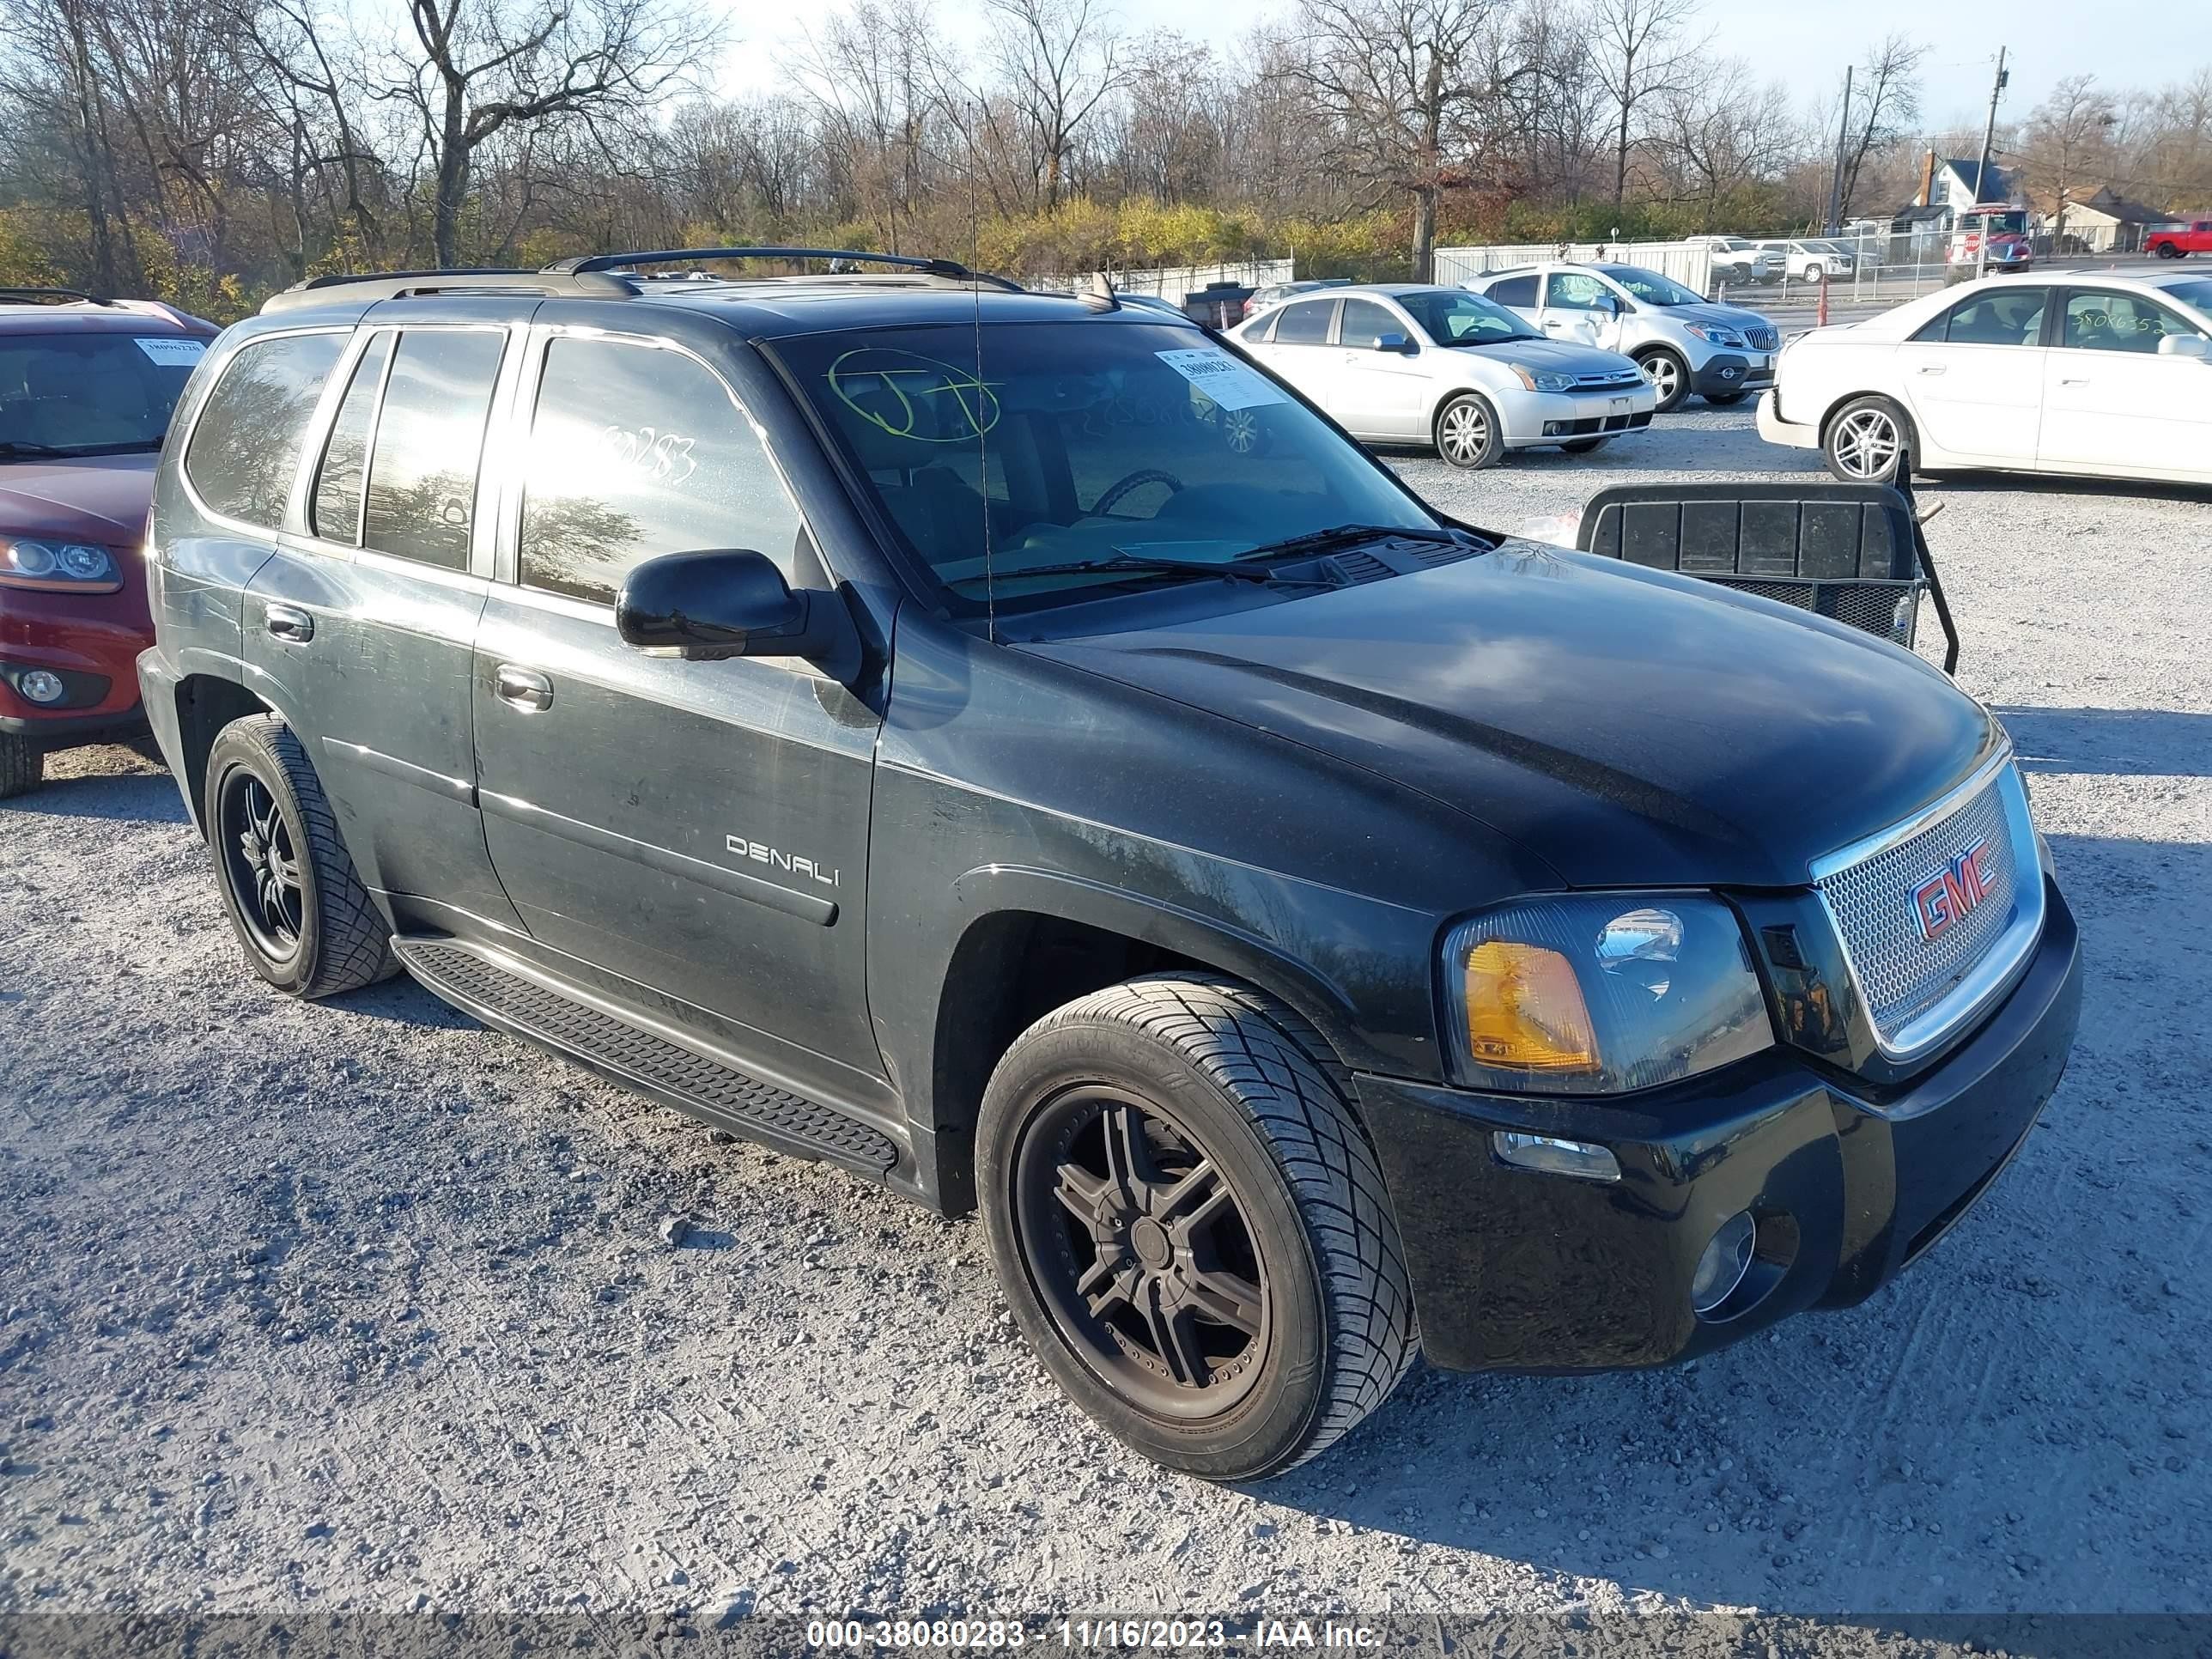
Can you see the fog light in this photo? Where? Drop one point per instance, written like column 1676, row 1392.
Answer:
column 1726, row 1260
column 1549, row 1157
column 39, row 686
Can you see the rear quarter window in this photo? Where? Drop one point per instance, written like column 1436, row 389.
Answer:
column 245, row 446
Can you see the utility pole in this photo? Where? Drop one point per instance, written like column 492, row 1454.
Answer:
column 1843, row 140
column 1982, row 172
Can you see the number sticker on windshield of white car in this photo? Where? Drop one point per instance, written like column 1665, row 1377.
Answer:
column 1221, row 377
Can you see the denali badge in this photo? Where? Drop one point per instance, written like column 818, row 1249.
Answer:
column 789, row 863
column 1952, row 891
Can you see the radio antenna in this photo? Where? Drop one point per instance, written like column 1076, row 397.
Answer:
column 982, row 446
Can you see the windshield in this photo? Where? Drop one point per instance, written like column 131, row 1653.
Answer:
column 1650, row 286
column 85, row 393
column 1081, row 441
column 2196, row 292
column 1455, row 317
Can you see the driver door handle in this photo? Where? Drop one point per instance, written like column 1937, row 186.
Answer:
column 1931, row 368
column 288, row 622
column 2082, row 379
column 522, row 688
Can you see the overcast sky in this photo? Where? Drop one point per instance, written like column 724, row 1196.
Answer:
column 1805, row 43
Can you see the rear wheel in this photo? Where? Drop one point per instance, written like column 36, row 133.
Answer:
column 23, row 766
column 300, row 911
column 1670, row 376
column 1868, row 441
column 1191, row 1226
column 1467, row 434
column 2169, row 250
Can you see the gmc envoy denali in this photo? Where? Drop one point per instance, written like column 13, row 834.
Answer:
column 889, row 715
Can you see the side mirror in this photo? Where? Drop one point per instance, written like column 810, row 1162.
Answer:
column 733, row 603
column 2185, row 346
column 1397, row 343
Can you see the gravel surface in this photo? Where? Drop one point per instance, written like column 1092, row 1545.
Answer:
column 359, row 1305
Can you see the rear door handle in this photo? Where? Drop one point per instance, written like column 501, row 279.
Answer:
column 522, row 688
column 1931, row 368
column 2082, row 380
column 288, row 622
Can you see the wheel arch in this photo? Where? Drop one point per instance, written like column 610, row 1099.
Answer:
column 1842, row 400
column 207, row 702
column 1038, row 940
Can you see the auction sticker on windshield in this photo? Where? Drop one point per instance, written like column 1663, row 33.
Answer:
column 172, row 352
column 1221, row 377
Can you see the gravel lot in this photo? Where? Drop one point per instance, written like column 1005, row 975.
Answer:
column 362, row 1306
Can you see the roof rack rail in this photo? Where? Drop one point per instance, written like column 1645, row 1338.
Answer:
column 949, row 269
column 482, row 279
column 59, row 296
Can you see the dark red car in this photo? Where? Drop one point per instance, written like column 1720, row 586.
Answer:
column 87, row 388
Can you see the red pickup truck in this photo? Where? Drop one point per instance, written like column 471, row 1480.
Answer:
column 2179, row 241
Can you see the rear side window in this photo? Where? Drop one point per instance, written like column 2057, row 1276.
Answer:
column 423, row 474
column 1305, row 323
column 636, row 451
column 2009, row 316
column 1514, row 291
column 246, row 449
column 335, row 512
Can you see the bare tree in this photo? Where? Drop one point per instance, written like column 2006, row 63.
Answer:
column 1722, row 132
column 1885, row 105
column 471, row 70
column 1636, row 54
column 1405, row 87
column 1059, row 60
column 2065, row 141
column 877, row 84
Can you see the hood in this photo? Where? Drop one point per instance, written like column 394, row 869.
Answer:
column 1565, row 356
column 1723, row 316
column 89, row 498
column 1628, row 727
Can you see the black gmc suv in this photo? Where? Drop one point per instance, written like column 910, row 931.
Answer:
column 892, row 716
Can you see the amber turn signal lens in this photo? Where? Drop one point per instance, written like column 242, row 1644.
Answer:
column 1525, row 1010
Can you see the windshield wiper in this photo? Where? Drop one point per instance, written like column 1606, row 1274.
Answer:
column 10, row 447
column 1133, row 564
column 1351, row 535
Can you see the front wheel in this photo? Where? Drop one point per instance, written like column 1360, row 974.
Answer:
column 1191, row 1226
column 2168, row 250
column 305, row 919
column 23, row 766
column 1670, row 376
column 1868, row 442
column 1467, row 434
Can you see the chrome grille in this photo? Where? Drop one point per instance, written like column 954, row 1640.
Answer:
column 1761, row 339
column 1609, row 377
column 1916, row 988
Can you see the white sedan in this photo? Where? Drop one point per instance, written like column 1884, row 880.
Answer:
column 2088, row 374
column 1400, row 362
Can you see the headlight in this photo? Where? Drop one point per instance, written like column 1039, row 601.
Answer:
column 1542, row 380
column 65, row 566
column 1714, row 334
column 1596, row 993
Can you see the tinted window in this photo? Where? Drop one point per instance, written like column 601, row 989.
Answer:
column 636, row 451
column 245, row 449
column 1305, row 323
column 335, row 512
column 1264, row 329
column 423, row 478
column 2119, row 322
column 87, row 393
column 1365, row 323
column 1000, row 450
column 2009, row 316
column 1514, row 291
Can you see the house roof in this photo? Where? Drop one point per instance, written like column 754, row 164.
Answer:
column 1969, row 172
column 2127, row 212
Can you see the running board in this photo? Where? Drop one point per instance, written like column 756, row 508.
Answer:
column 507, row 998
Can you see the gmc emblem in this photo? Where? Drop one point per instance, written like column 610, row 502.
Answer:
column 1948, row 895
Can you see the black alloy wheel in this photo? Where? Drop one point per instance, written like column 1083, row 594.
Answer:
column 257, row 844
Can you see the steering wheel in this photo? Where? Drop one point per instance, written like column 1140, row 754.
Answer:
column 1111, row 496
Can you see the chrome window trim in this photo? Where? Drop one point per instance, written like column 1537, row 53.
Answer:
column 2007, row 957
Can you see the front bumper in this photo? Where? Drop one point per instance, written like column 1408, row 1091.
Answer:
column 1552, row 417
column 1731, row 373
column 1514, row 1270
column 1775, row 430
column 91, row 643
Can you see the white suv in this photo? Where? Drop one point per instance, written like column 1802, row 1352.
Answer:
column 1808, row 259
column 1739, row 259
column 1683, row 343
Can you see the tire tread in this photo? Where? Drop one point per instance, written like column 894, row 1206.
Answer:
column 23, row 766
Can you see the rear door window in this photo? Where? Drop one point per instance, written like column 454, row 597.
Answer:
column 1514, row 290
column 423, row 472
column 636, row 451
column 1305, row 323
column 246, row 447
column 2008, row 316
column 334, row 511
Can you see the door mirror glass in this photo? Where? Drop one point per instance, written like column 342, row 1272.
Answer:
column 1397, row 343
column 733, row 603
column 2185, row 346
